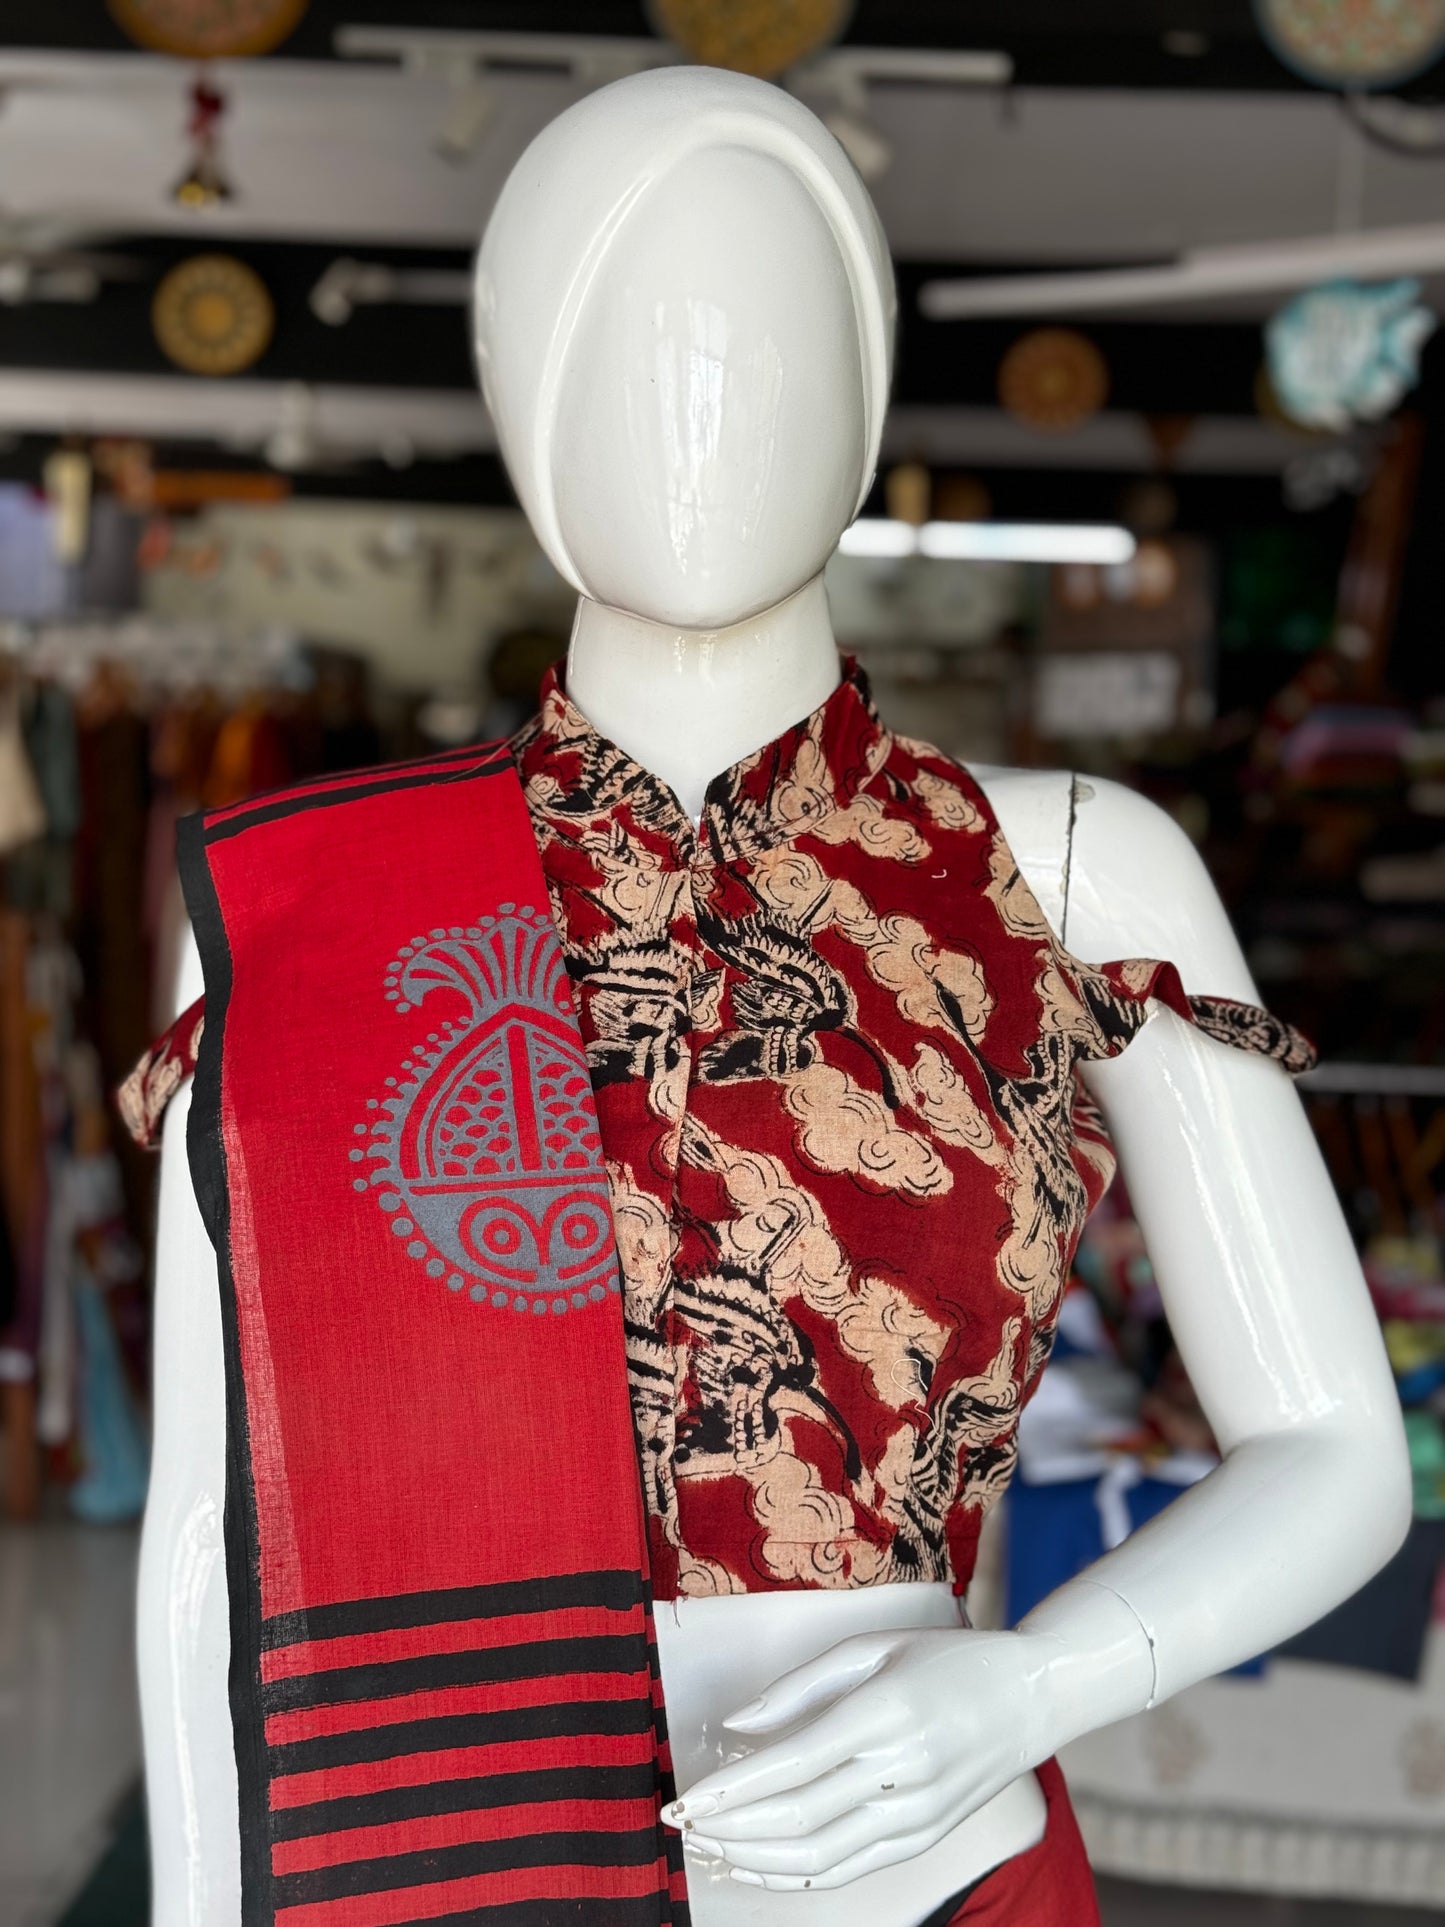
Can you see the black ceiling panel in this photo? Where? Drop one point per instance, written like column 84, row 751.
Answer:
column 1054, row 43
column 1155, row 368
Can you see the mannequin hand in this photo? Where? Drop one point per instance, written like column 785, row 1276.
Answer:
column 893, row 1738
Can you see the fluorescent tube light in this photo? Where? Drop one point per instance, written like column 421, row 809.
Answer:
column 873, row 535
column 1104, row 543
column 1101, row 542
column 1202, row 274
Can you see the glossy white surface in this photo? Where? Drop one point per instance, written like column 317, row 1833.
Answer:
column 717, row 1654
column 724, row 397
column 921, row 1724
column 684, row 296
column 687, row 704
column 185, row 1635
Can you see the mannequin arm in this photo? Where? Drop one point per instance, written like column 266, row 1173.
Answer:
column 183, row 1635
column 1272, row 1317
column 1259, row 1277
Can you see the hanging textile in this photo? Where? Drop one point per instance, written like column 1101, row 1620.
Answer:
column 443, row 1690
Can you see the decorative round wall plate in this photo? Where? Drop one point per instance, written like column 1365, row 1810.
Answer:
column 1053, row 378
column 212, row 315
column 208, row 29
column 1355, row 44
column 761, row 37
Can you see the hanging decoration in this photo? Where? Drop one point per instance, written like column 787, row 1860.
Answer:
column 759, row 37
column 68, row 479
column 1053, row 379
column 209, row 29
column 1346, row 352
column 1354, row 45
column 212, row 315
column 204, row 182
column 908, row 493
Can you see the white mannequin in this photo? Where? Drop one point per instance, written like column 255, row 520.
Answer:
column 684, row 312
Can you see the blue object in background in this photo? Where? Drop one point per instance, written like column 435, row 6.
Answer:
column 112, row 1488
column 33, row 583
column 1054, row 1531
column 1347, row 352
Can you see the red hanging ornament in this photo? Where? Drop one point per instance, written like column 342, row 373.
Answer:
column 204, row 183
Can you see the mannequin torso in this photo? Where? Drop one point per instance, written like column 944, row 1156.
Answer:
column 687, row 706
column 681, row 303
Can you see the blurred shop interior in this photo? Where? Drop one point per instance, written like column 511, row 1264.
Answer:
column 1160, row 500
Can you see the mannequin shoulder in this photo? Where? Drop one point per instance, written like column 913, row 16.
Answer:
column 1034, row 808
column 1116, row 876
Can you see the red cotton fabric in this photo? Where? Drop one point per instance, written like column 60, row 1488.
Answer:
column 834, row 1046
column 443, row 1685
column 1050, row 1885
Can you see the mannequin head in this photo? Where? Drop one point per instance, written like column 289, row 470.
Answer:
column 684, row 324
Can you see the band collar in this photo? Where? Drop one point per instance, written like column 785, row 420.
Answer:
column 573, row 775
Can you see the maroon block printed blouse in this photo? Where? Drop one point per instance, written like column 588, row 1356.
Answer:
column 834, row 1046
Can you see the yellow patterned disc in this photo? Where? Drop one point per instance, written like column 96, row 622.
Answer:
column 209, row 29
column 761, row 37
column 212, row 315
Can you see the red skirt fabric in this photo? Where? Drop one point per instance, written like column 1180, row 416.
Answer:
column 1050, row 1885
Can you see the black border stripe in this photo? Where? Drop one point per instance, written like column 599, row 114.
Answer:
column 563, row 1719
column 941, row 1916
column 384, row 786
column 337, row 781
column 615, row 1591
column 207, row 1157
column 570, row 1853
column 633, row 1848
column 527, row 1659
column 637, row 1782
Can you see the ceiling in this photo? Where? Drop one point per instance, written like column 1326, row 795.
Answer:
column 1107, row 150
column 1097, row 43
column 347, row 152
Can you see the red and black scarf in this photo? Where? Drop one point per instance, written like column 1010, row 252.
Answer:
column 443, row 1685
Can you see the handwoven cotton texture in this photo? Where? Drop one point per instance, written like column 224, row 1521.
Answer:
column 834, row 1047
column 442, row 1684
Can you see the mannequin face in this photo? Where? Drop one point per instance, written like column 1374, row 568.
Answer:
column 709, row 438
column 684, row 317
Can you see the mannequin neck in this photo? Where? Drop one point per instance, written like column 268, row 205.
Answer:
column 689, row 703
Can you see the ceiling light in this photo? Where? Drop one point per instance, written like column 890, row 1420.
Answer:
column 347, row 285
column 1101, row 542
column 870, row 152
column 1104, row 543
column 877, row 536
column 1200, row 274
column 589, row 59
column 470, row 108
column 838, row 82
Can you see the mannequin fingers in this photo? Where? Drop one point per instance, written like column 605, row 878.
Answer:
column 806, row 1754
column 842, row 1838
column 805, row 1859
column 802, row 1809
column 836, row 1671
column 883, row 1851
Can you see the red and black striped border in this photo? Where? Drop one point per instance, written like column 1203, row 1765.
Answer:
column 440, row 1757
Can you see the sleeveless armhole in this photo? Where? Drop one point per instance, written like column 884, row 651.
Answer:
column 1105, row 1006
column 143, row 1097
